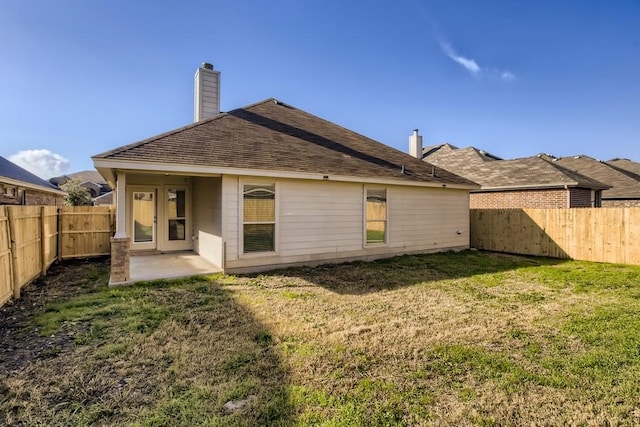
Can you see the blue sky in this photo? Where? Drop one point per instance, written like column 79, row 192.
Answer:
column 80, row 77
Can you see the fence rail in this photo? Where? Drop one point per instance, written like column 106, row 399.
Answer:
column 34, row 237
column 589, row 234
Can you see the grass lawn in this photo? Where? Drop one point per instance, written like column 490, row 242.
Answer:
column 465, row 338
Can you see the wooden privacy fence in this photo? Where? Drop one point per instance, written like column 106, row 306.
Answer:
column 589, row 234
column 33, row 237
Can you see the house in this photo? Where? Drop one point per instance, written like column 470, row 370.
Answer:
column 91, row 180
column 20, row 187
column 530, row 182
column 624, row 190
column 104, row 200
column 269, row 185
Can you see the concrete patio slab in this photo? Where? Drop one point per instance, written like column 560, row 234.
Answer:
column 169, row 266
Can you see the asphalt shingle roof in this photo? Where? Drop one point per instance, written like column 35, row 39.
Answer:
column 12, row 171
column 623, row 185
column 627, row 167
column 491, row 173
column 273, row 136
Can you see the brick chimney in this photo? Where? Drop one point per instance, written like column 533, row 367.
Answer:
column 415, row 145
column 206, row 93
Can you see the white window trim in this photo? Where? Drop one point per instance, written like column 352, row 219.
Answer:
column 276, row 222
column 366, row 244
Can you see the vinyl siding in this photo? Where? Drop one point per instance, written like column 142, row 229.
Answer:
column 428, row 218
column 231, row 216
column 207, row 192
column 323, row 221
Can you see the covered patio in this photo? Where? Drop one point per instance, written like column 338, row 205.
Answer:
column 169, row 266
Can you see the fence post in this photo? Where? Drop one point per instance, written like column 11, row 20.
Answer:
column 14, row 253
column 43, row 252
column 59, row 248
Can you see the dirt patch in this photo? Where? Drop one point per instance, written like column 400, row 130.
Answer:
column 21, row 342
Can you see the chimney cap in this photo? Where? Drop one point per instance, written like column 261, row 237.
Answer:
column 207, row 66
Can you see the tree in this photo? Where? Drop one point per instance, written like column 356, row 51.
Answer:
column 76, row 195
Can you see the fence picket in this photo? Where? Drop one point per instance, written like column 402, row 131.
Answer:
column 590, row 234
column 32, row 238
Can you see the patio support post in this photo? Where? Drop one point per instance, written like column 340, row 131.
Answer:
column 121, row 205
column 120, row 242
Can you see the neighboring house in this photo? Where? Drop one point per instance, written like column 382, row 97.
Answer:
column 105, row 200
column 269, row 185
column 91, row 180
column 624, row 185
column 20, row 187
column 530, row 182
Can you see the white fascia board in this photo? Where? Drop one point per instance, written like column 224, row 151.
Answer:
column 527, row 187
column 23, row 184
column 195, row 170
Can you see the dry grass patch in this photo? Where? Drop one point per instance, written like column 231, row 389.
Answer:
column 444, row 339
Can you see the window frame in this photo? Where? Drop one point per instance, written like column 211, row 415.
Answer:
column 168, row 218
column 10, row 191
column 275, row 222
column 366, row 243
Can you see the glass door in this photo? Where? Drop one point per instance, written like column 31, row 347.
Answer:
column 144, row 220
column 176, row 214
column 176, row 218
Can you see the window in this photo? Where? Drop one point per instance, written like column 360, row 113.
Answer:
column 376, row 216
column 259, row 218
column 10, row 191
column 597, row 202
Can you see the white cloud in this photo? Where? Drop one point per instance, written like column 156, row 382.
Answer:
column 507, row 76
column 42, row 162
column 471, row 65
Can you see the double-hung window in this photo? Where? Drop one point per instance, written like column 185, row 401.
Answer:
column 259, row 218
column 376, row 215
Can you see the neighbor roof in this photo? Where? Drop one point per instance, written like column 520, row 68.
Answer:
column 494, row 174
column 626, row 166
column 443, row 150
column 622, row 185
column 105, row 199
column 273, row 136
column 18, row 176
column 82, row 176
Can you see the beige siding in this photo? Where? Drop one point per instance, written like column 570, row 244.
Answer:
column 319, row 217
column 321, row 221
column 207, row 196
column 428, row 218
column 230, row 217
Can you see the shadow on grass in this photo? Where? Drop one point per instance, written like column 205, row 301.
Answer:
column 160, row 353
column 407, row 270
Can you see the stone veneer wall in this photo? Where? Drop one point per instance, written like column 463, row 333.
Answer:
column 120, row 270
